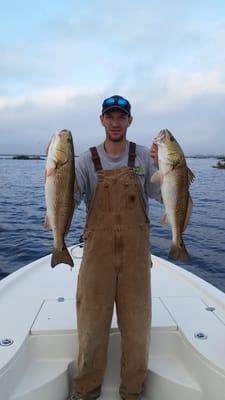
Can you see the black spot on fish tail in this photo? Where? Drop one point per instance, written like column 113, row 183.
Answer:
column 61, row 256
column 178, row 252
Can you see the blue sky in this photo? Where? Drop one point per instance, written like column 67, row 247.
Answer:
column 59, row 60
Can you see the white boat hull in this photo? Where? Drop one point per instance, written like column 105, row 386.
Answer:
column 37, row 307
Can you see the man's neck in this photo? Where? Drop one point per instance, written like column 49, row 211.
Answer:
column 115, row 149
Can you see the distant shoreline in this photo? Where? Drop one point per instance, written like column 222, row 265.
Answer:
column 43, row 156
column 25, row 157
column 32, row 157
column 218, row 157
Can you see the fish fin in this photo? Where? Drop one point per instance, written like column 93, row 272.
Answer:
column 61, row 256
column 179, row 252
column 50, row 170
column 188, row 212
column 47, row 224
column 191, row 176
column 164, row 220
column 157, row 177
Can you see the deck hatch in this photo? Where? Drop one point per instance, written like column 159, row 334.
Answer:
column 59, row 316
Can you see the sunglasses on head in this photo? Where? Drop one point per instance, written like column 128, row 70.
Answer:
column 111, row 101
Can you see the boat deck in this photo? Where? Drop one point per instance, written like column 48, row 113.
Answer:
column 38, row 309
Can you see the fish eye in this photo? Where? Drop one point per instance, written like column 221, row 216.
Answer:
column 171, row 138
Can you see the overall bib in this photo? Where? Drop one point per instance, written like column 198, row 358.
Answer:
column 115, row 269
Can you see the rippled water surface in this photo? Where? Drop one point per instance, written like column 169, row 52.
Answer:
column 22, row 210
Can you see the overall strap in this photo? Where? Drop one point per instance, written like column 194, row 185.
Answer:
column 95, row 158
column 132, row 154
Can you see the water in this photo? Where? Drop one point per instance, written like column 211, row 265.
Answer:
column 22, row 209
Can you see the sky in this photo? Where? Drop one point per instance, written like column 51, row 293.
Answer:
column 60, row 59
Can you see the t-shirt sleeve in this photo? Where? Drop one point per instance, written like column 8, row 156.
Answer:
column 81, row 180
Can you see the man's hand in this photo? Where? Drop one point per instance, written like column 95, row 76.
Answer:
column 154, row 154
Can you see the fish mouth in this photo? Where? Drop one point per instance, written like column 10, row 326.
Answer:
column 65, row 133
column 160, row 138
column 57, row 142
column 61, row 137
column 58, row 135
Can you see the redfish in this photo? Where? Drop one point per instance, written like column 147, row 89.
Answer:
column 175, row 178
column 59, row 193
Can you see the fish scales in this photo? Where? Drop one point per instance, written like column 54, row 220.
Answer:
column 59, row 192
column 175, row 178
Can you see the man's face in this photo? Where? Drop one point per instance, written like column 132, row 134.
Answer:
column 115, row 123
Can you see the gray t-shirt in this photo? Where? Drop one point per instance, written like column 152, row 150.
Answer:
column 86, row 176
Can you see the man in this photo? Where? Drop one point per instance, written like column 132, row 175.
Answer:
column 114, row 181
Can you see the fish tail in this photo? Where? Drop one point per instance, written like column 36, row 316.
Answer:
column 61, row 256
column 179, row 252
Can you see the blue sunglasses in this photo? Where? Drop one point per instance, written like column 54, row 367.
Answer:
column 111, row 101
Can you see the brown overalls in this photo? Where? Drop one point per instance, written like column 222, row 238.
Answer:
column 115, row 268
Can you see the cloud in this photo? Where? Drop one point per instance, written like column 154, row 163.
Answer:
column 47, row 97
column 166, row 57
column 96, row 44
column 173, row 90
column 28, row 124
